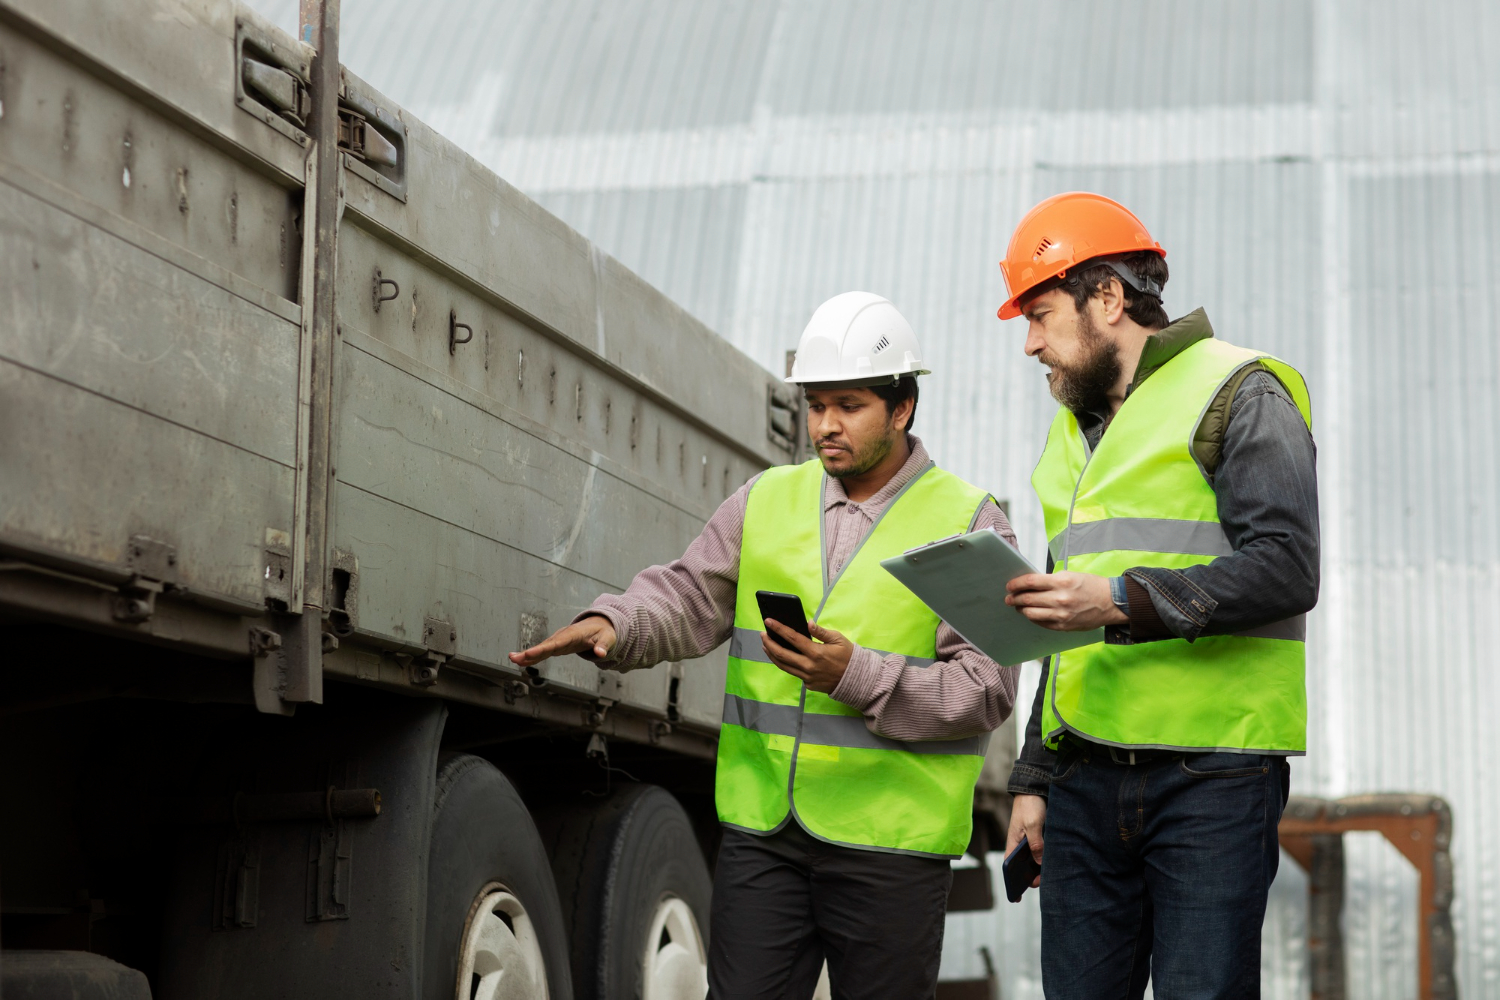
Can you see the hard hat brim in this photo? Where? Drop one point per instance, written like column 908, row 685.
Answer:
column 857, row 383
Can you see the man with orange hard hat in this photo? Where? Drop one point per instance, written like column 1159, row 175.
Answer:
column 1179, row 495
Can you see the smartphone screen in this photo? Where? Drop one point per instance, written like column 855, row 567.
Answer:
column 784, row 608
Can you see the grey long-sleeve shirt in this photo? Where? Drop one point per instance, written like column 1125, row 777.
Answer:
column 686, row 608
column 1265, row 482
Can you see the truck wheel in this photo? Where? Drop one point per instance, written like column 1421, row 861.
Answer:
column 494, row 925
column 636, row 887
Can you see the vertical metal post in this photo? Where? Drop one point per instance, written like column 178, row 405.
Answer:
column 1325, row 907
column 324, row 125
column 302, row 632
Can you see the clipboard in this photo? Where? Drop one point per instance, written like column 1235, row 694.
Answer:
column 963, row 579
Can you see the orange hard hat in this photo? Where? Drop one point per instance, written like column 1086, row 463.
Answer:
column 1065, row 230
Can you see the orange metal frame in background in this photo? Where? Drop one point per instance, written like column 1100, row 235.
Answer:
column 1420, row 827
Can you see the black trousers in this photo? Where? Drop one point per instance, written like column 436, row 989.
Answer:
column 786, row 902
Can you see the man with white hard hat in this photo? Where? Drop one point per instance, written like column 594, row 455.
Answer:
column 847, row 762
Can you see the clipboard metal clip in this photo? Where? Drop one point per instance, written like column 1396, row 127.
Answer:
column 929, row 545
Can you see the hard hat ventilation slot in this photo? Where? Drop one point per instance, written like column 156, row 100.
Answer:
column 1043, row 247
column 881, row 344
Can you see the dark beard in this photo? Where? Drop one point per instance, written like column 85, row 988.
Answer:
column 1085, row 387
column 868, row 459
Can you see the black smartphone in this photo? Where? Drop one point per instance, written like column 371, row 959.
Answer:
column 785, row 608
column 1018, row 869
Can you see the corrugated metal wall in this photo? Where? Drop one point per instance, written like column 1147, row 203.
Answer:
column 1324, row 173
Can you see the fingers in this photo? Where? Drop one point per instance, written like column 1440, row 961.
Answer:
column 1048, row 598
column 585, row 635
column 546, row 649
column 1028, row 815
column 825, row 635
column 601, row 642
column 789, row 660
column 1046, row 617
column 790, row 637
column 1031, row 582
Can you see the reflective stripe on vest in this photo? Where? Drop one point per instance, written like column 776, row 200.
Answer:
column 786, row 751
column 1141, row 499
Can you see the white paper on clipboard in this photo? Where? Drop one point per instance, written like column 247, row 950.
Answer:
column 963, row 579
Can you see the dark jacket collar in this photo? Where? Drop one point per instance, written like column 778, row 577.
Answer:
column 1168, row 342
column 1161, row 347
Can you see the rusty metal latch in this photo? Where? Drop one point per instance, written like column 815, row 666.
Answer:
column 358, row 138
column 153, row 566
column 277, row 89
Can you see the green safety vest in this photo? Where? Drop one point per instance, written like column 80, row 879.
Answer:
column 786, row 751
column 1142, row 499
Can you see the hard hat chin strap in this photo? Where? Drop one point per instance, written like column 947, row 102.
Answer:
column 1143, row 285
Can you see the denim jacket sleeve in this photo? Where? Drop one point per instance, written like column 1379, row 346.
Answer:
column 1267, row 490
column 1266, row 486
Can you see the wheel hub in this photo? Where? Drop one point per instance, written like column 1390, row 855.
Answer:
column 501, row 958
column 675, row 966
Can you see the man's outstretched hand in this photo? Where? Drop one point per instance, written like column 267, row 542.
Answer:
column 821, row 664
column 592, row 639
column 1065, row 602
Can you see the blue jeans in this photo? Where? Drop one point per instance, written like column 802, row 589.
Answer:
column 1157, row 870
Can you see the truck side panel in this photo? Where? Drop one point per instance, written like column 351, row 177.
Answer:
column 497, row 468
column 144, row 276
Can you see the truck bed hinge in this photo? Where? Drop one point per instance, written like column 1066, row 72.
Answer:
column 441, row 641
column 153, row 568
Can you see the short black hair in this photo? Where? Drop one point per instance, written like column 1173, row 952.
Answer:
column 895, row 392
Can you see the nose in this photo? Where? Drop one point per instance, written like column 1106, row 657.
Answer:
column 1034, row 342
column 820, row 425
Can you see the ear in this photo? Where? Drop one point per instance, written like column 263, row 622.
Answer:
column 901, row 415
column 1112, row 300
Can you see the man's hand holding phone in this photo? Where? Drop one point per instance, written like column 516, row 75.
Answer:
column 819, row 664
column 1028, row 820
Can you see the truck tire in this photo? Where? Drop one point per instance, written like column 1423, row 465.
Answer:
column 636, row 890
column 494, row 925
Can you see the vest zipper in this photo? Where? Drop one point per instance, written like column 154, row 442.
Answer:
column 1088, row 456
column 791, row 777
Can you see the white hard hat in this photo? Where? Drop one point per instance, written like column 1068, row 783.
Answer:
column 857, row 337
